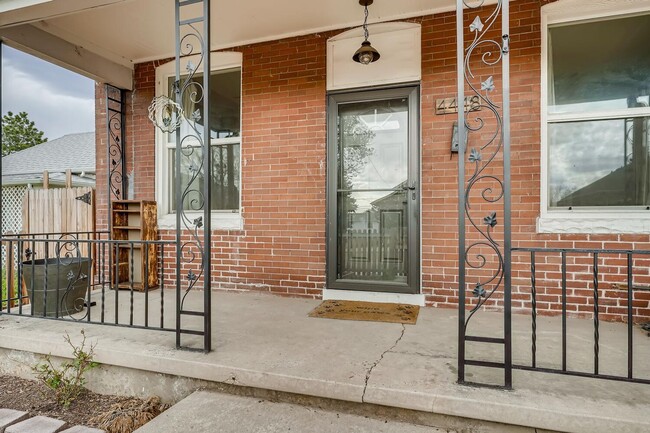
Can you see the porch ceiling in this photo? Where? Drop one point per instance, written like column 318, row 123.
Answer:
column 132, row 31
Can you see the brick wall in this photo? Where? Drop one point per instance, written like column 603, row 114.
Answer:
column 282, row 246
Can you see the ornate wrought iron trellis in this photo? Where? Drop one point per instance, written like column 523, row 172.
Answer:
column 115, row 144
column 484, row 259
column 192, row 86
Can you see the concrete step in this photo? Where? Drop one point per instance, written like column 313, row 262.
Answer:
column 82, row 429
column 208, row 412
column 37, row 424
column 9, row 417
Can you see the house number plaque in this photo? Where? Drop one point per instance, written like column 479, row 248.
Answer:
column 450, row 106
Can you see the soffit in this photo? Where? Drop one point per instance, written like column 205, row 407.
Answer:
column 138, row 30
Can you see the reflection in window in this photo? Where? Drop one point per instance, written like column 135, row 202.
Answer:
column 599, row 113
column 374, row 144
column 225, row 102
column 602, row 65
column 225, row 178
column 225, row 127
column 373, row 236
column 599, row 163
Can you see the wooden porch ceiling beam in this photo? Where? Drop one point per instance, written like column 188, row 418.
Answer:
column 46, row 46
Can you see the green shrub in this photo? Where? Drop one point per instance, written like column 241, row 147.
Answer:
column 4, row 294
column 68, row 380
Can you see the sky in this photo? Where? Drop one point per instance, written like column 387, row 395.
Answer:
column 59, row 101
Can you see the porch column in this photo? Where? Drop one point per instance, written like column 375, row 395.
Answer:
column 115, row 147
column 193, row 164
column 484, row 261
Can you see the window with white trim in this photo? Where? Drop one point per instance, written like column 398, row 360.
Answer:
column 225, row 142
column 225, row 127
column 598, row 115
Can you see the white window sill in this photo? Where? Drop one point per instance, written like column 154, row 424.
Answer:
column 220, row 221
column 595, row 223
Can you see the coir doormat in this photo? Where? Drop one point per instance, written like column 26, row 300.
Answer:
column 367, row 311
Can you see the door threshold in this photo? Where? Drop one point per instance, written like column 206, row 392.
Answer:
column 386, row 298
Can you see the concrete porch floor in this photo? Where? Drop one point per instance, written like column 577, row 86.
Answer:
column 270, row 343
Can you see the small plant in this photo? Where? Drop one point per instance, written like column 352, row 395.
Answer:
column 4, row 295
column 68, row 380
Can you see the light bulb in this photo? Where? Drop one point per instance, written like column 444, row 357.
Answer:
column 366, row 58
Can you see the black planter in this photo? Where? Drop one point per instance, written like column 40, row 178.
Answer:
column 68, row 281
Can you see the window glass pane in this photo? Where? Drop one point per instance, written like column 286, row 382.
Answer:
column 225, row 102
column 603, row 65
column 225, row 178
column 599, row 163
column 373, row 140
column 373, row 236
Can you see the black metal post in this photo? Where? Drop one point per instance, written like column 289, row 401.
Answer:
column 115, row 147
column 177, row 176
column 481, row 180
column 507, row 219
column 462, row 132
column 207, row 172
column 193, row 39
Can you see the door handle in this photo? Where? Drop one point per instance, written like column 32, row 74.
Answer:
column 409, row 187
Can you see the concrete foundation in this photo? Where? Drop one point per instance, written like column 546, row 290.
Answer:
column 268, row 347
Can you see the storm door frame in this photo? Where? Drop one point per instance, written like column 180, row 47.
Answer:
column 412, row 92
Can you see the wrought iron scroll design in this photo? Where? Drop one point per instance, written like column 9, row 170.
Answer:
column 68, row 254
column 116, row 158
column 67, row 262
column 488, row 127
column 481, row 157
column 193, row 191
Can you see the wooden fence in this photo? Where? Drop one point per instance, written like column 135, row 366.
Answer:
column 372, row 255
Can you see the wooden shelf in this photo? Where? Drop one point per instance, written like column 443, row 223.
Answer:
column 133, row 221
column 127, row 246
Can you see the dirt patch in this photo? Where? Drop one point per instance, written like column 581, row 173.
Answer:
column 89, row 410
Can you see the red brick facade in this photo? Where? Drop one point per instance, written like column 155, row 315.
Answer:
column 282, row 246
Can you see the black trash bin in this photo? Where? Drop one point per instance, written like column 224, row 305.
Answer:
column 68, row 281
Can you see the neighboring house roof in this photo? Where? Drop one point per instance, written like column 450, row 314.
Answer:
column 73, row 151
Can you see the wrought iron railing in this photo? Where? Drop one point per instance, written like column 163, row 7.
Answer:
column 594, row 283
column 86, row 277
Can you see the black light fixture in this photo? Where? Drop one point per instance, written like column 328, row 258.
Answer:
column 366, row 54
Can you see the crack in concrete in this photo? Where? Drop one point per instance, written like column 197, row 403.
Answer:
column 376, row 363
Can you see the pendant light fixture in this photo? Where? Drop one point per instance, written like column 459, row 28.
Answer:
column 366, row 54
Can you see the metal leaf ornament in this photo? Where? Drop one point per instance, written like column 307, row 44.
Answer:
column 479, row 291
column 198, row 223
column 191, row 276
column 477, row 25
column 474, row 155
column 491, row 220
column 488, row 84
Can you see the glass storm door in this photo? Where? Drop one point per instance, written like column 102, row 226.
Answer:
column 373, row 191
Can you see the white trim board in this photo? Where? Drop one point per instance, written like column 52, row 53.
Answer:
column 399, row 45
column 363, row 296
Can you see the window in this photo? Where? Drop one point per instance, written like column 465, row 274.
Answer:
column 598, row 115
column 225, row 142
column 225, row 126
